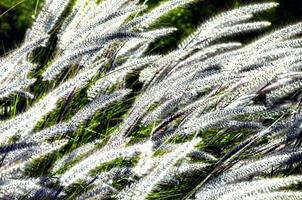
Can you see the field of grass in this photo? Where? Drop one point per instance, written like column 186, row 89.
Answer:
column 16, row 16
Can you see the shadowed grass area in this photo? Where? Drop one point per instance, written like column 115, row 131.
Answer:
column 15, row 18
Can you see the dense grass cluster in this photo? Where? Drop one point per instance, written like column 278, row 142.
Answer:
column 89, row 112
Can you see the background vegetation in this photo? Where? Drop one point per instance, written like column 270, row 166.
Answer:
column 17, row 15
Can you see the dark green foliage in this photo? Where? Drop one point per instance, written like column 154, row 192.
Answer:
column 15, row 17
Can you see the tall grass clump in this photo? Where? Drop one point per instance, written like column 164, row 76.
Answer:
column 88, row 113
